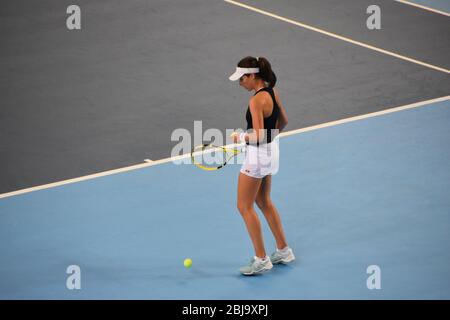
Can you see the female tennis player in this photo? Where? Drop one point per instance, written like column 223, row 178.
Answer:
column 265, row 118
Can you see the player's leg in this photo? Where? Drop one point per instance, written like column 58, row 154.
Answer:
column 284, row 253
column 264, row 202
column 247, row 190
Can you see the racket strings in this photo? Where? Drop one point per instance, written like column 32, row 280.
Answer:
column 212, row 157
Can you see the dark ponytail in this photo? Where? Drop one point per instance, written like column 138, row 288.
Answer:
column 265, row 69
column 266, row 73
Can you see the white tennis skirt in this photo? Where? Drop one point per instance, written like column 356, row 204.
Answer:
column 261, row 160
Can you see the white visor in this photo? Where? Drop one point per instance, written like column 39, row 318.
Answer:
column 241, row 71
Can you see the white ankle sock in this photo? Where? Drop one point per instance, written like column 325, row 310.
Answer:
column 261, row 259
column 284, row 250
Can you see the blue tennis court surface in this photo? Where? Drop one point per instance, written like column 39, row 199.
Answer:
column 369, row 192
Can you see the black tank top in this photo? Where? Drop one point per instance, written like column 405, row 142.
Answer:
column 271, row 121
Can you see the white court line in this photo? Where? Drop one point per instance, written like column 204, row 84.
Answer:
column 166, row 160
column 424, row 7
column 365, row 116
column 361, row 44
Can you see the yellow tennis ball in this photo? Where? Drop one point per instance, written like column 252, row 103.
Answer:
column 187, row 263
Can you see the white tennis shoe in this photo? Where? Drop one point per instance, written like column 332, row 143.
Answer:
column 282, row 256
column 256, row 266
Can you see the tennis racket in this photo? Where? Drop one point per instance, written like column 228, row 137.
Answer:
column 210, row 157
